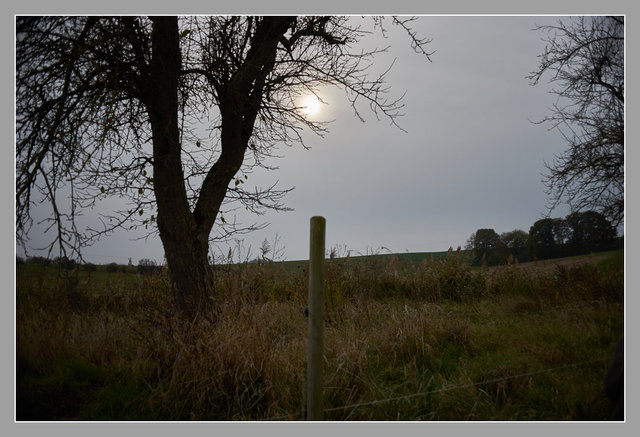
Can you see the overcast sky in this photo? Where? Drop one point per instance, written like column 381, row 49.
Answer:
column 470, row 157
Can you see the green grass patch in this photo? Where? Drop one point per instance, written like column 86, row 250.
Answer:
column 613, row 261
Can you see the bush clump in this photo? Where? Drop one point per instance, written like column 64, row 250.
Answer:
column 147, row 266
column 112, row 267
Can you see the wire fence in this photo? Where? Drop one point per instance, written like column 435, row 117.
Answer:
column 445, row 389
column 440, row 312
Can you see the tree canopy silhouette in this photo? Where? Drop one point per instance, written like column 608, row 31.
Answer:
column 172, row 114
column 585, row 58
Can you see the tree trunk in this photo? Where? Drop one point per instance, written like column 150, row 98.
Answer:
column 185, row 245
column 189, row 269
column 185, row 235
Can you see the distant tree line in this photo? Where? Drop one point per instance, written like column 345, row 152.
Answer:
column 578, row 233
column 145, row 266
column 62, row 262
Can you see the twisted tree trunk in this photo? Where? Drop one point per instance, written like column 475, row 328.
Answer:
column 185, row 234
column 185, row 248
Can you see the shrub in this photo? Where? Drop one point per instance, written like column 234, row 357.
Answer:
column 64, row 263
column 112, row 267
column 38, row 260
column 89, row 267
column 147, row 266
column 457, row 282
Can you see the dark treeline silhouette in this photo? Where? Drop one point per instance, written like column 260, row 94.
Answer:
column 577, row 234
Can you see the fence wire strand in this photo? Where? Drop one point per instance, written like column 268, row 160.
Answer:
column 444, row 389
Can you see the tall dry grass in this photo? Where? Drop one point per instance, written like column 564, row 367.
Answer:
column 430, row 341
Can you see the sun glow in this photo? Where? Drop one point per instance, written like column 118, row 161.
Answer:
column 310, row 105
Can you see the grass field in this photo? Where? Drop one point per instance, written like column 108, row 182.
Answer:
column 406, row 339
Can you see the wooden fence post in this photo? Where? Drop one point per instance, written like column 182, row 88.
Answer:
column 316, row 319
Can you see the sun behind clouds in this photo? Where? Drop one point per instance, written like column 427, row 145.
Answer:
column 310, row 105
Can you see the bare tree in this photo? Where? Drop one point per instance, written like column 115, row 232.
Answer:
column 172, row 115
column 585, row 58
